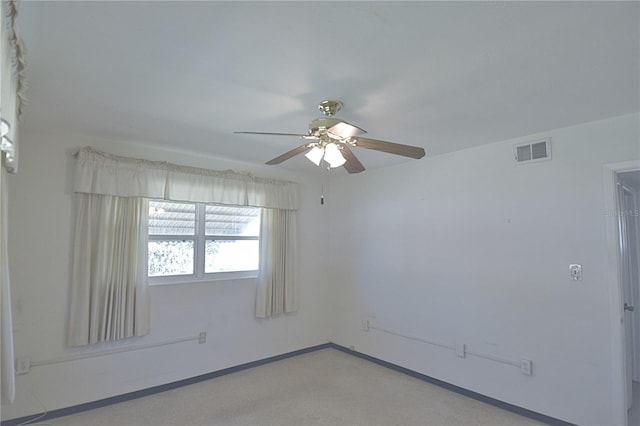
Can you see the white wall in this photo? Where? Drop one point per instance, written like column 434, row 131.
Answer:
column 463, row 248
column 471, row 248
column 40, row 220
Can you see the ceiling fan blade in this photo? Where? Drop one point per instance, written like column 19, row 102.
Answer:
column 346, row 130
column 353, row 165
column 274, row 134
column 289, row 154
column 390, row 147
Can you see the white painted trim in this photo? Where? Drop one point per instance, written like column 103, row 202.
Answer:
column 618, row 370
column 455, row 347
column 112, row 351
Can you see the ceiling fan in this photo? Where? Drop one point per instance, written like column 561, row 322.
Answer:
column 331, row 139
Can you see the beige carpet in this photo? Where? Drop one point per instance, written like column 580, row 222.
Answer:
column 326, row 387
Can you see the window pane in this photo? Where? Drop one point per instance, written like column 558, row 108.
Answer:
column 170, row 258
column 231, row 255
column 167, row 218
column 236, row 221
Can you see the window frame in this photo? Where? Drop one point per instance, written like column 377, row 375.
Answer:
column 199, row 245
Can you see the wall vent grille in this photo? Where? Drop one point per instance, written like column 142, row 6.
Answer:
column 533, row 151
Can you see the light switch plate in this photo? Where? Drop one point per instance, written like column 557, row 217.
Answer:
column 575, row 272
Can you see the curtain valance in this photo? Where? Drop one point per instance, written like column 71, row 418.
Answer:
column 101, row 173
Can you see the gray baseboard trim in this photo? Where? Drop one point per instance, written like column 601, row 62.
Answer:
column 462, row 391
column 43, row 417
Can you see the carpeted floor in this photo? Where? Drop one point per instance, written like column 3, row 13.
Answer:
column 326, row 387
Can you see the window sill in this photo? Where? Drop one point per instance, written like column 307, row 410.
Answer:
column 190, row 279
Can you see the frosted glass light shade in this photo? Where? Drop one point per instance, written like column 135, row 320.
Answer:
column 4, row 127
column 315, row 155
column 333, row 156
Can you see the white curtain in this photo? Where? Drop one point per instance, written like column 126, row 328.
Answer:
column 12, row 81
column 109, row 300
column 8, row 372
column 109, row 293
column 277, row 289
column 12, row 77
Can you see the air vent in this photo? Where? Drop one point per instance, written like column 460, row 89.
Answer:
column 533, row 151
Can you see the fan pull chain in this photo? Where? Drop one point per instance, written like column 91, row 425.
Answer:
column 323, row 172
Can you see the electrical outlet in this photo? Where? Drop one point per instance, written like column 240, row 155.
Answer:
column 526, row 367
column 202, row 337
column 23, row 365
column 366, row 325
column 461, row 350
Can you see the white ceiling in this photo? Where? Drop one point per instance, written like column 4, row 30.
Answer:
column 441, row 75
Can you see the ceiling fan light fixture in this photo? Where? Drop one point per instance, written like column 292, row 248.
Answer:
column 333, row 156
column 4, row 127
column 315, row 155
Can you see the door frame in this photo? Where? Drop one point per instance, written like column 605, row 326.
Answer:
column 616, row 304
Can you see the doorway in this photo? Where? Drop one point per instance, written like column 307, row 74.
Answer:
column 621, row 320
column 628, row 217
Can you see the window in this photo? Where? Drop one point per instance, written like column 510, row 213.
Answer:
column 197, row 241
